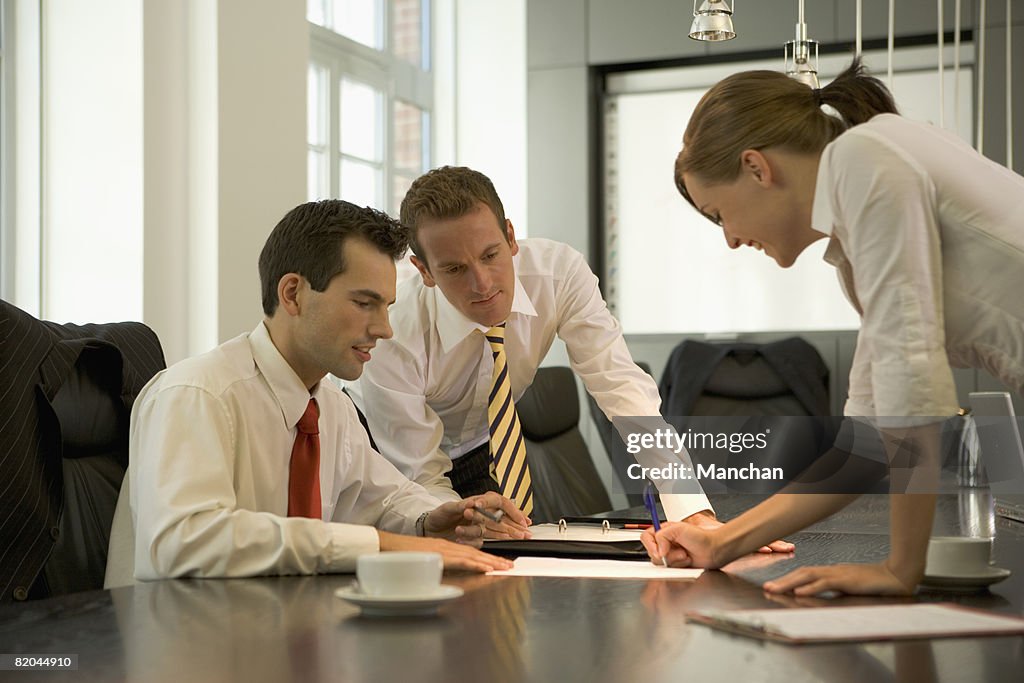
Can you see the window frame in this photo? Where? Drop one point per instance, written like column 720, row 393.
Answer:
column 396, row 78
column 702, row 75
column 8, row 244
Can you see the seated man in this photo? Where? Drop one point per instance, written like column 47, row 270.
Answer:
column 470, row 333
column 244, row 462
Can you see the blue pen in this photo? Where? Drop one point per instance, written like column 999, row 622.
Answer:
column 653, row 509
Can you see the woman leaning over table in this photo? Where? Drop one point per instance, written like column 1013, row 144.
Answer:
column 927, row 237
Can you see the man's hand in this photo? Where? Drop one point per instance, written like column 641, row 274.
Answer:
column 465, row 521
column 705, row 519
column 855, row 579
column 455, row 555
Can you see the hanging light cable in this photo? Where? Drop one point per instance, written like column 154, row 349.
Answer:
column 892, row 35
column 860, row 27
column 942, row 78
column 956, row 67
column 713, row 21
column 980, row 141
column 803, row 52
column 1009, row 90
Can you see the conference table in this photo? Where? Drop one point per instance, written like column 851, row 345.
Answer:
column 520, row 628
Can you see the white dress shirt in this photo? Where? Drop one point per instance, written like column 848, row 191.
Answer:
column 928, row 239
column 206, row 492
column 425, row 391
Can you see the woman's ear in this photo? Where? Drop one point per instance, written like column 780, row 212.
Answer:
column 756, row 164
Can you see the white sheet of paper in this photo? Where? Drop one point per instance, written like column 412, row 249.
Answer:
column 869, row 622
column 594, row 569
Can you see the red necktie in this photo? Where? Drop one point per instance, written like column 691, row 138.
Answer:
column 304, row 472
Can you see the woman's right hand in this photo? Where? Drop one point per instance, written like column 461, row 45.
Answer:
column 682, row 545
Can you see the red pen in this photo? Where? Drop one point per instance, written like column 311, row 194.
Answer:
column 637, row 526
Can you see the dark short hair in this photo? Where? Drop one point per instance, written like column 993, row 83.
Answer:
column 448, row 192
column 309, row 239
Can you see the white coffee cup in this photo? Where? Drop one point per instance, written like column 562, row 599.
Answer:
column 958, row 556
column 407, row 574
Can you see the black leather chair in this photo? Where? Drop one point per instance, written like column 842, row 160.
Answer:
column 66, row 393
column 782, row 386
column 620, row 459
column 565, row 481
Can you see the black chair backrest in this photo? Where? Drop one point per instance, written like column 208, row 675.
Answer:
column 787, row 377
column 565, row 481
column 94, row 437
column 67, row 391
column 620, row 459
column 768, row 384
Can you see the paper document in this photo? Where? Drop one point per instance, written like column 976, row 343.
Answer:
column 873, row 622
column 594, row 569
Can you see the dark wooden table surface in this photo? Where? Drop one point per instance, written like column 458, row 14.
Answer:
column 510, row 628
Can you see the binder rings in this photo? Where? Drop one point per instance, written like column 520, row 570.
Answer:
column 580, row 540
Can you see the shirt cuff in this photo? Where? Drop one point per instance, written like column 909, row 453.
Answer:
column 348, row 542
column 444, row 494
column 679, row 506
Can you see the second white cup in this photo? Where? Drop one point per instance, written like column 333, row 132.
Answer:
column 958, row 556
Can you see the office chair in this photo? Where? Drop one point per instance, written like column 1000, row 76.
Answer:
column 764, row 386
column 66, row 393
column 565, row 481
column 620, row 459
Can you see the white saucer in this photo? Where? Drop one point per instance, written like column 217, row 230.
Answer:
column 398, row 605
column 972, row 582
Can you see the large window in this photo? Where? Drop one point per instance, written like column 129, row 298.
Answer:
column 6, row 136
column 668, row 268
column 370, row 99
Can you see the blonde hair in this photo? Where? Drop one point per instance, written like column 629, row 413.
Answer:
column 759, row 109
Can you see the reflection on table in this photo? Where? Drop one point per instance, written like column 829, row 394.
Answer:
column 511, row 628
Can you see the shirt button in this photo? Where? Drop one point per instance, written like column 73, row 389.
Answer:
column 54, row 533
column 20, row 593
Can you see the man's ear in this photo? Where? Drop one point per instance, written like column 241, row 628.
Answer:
column 756, row 164
column 421, row 266
column 511, row 232
column 290, row 291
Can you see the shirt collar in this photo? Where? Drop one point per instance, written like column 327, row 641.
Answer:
column 834, row 254
column 822, row 216
column 453, row 326
column 289, row 391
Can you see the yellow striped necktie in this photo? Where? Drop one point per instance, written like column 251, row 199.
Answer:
column 508, row 451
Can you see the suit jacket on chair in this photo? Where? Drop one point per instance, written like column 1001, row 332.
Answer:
column 795, row 362
column 37, row 358
column 779, row 388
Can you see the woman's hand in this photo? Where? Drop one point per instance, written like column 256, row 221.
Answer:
column 682, row 544
column 855, row 579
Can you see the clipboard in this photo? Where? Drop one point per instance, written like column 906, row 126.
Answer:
column 595, row 539
column 811, row 625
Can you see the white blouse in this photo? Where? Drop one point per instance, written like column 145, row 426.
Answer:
column 928, row 239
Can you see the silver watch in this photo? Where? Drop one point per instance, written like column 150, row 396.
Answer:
column 421, row 524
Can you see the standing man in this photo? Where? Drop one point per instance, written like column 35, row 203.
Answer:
column 470, row 333
column 243, row 461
